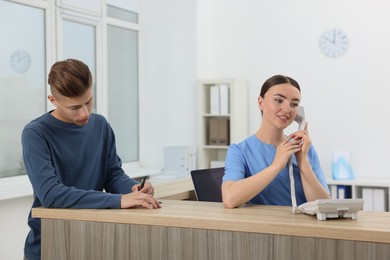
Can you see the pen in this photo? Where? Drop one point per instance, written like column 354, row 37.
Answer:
column 142, row 183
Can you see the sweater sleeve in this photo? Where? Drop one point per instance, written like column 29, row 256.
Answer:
column 46, row 185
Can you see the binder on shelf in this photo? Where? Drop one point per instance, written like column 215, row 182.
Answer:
column 213, row 131
column 379, row 199
column 223, row 131
column 214, row 100
column 224, row 99
column 344, row 192
column 333, row 191
column 368, row 196
column 218, row 131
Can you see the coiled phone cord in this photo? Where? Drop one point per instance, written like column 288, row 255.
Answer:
column 295, row 208
column 300, row 119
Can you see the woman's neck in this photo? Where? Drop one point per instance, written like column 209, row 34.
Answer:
column 270, row 135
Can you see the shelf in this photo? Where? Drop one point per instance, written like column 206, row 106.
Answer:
column 223, row 147
column 361, row 182
column 212, row 115
column 375, row 192
column 218, row 129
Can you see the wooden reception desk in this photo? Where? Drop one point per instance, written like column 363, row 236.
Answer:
column 206, row 230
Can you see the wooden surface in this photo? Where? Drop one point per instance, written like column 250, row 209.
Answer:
column 277, row 220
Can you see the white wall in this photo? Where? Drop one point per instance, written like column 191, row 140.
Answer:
column 13, row 226
column 345, row 99
column 167, row 77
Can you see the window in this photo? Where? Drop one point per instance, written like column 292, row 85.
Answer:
column 122, row 81
column 22, row 79
column 122, row 75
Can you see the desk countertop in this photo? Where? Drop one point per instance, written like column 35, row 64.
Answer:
column 370, row 226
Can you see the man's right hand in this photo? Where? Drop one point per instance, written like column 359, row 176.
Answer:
column 137, row 198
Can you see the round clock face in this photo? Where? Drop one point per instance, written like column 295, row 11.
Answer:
column 334, row 43
column 20, row 61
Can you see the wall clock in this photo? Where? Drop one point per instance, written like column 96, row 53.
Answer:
column 20, row 61
column 334, row 42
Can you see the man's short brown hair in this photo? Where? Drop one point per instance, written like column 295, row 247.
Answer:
column 70, row 78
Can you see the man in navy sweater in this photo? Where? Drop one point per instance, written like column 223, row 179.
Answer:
column 70, row 154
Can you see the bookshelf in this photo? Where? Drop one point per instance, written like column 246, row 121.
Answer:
column 374, row 192
column 233, row 116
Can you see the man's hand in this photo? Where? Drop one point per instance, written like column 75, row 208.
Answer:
column 139, row 198
column 148, row 188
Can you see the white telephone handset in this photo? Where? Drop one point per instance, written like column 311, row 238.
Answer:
column 300, row 119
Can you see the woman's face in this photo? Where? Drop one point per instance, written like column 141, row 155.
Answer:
column 280, row 105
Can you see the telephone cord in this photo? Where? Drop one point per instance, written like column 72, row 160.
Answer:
column 295, row 208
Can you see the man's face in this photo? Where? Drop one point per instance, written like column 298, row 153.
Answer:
column 75, row 110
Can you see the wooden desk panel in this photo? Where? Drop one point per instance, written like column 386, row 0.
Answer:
column 370, row 226
column 206, row 230
column 72, row 239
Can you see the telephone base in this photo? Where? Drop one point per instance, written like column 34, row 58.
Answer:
column 324, row 216
column 332, row 208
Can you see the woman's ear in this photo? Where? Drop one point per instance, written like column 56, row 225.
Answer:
column 260, row 103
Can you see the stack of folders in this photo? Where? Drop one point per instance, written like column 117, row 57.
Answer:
column 218, row 132
column 218, row 126
column 219, row 99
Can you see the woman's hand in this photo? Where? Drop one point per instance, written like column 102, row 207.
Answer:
column 285, row 150
column 305, row 142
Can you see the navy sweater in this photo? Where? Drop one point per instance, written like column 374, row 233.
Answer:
column 69, row 166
